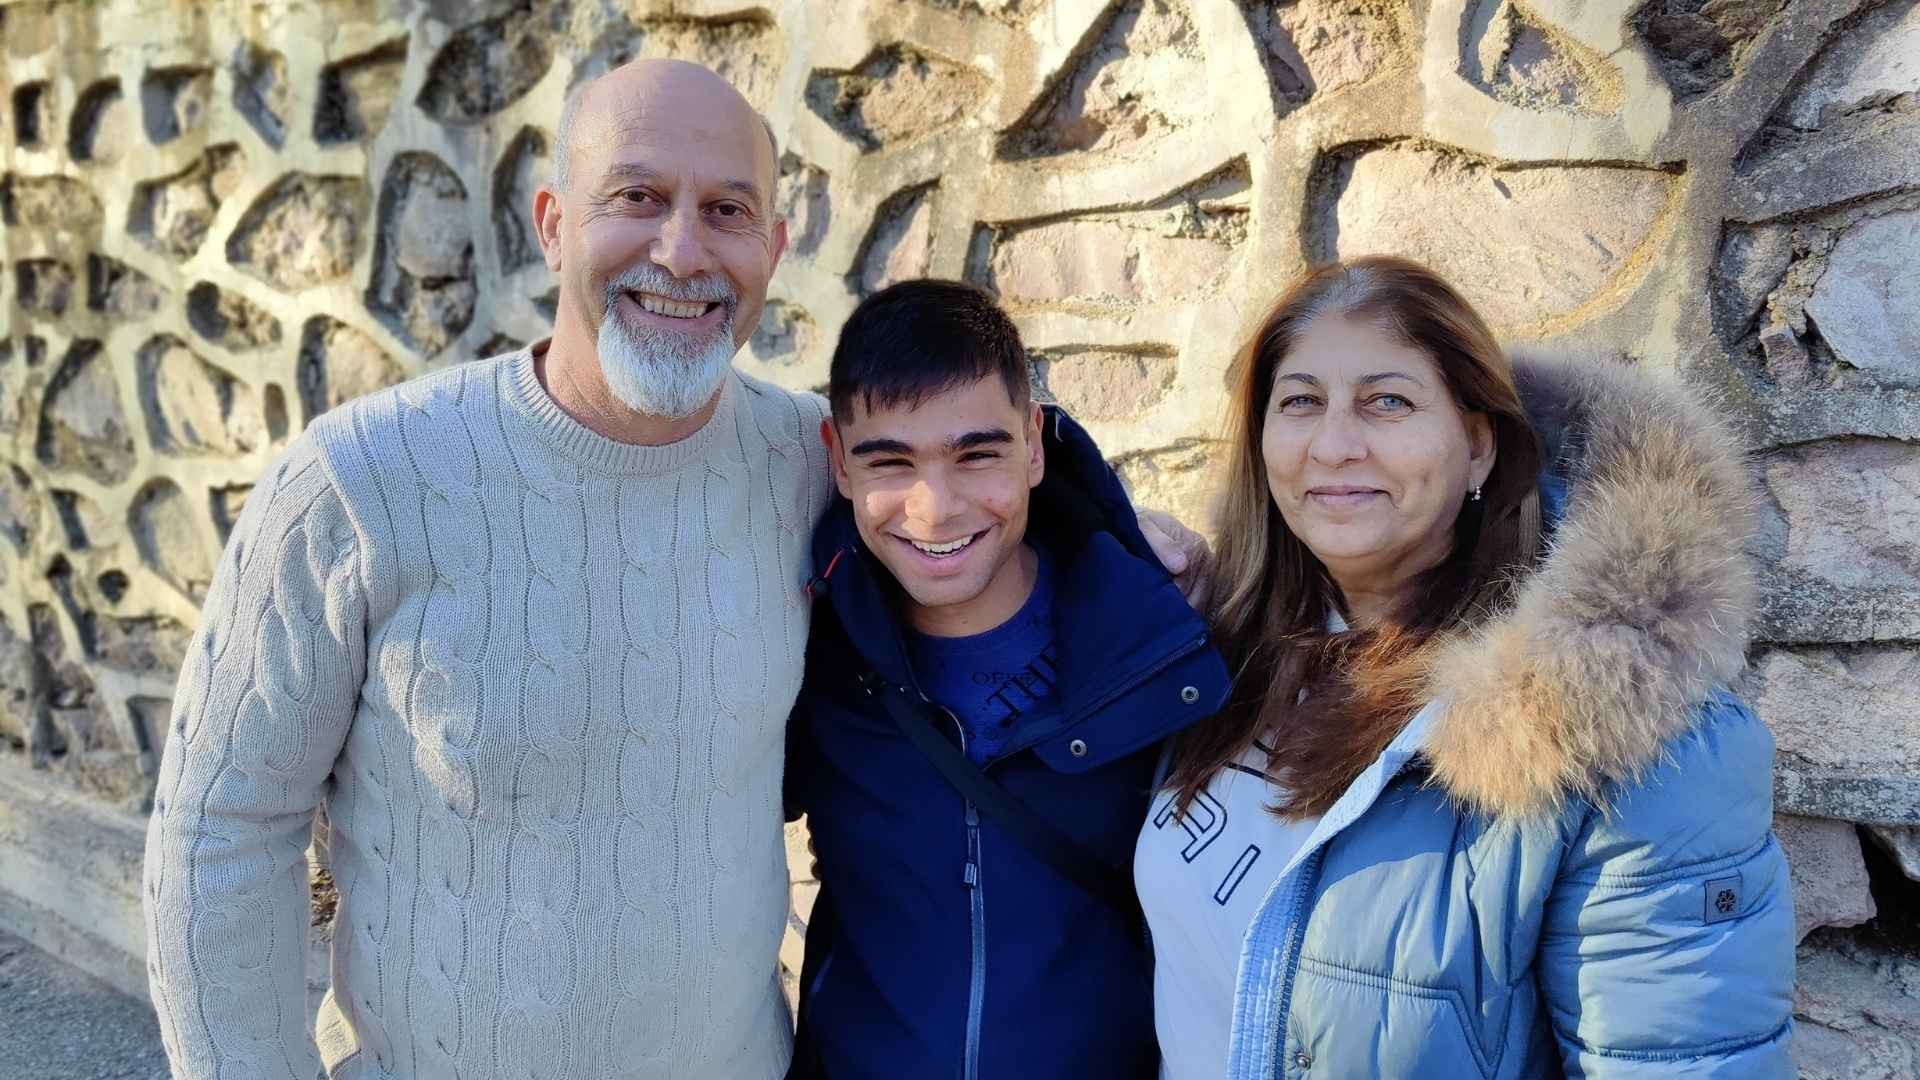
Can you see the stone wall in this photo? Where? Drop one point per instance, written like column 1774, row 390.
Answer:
column 220, row 219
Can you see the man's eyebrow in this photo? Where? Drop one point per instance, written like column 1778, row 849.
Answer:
column 972, row 439
column 880, row 446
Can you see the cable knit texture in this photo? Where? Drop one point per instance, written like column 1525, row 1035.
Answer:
column 539, row 680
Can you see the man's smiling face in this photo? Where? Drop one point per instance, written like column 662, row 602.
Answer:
column 668, row 236
column 940, row 492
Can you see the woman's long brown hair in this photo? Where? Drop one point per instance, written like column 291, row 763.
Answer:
column 1328, row 703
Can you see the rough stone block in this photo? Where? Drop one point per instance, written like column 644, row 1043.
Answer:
column 357, row 93
column 524, row 166
column 1876, row 60
column 229, row 319
column 1142, row 79
column 785, row 334
column 120, row 291
column 1699, row 44
column 1183, row 479
column 82, row 424
column 485, row 67
column 260, row 91
column 1106, row 384
column 1829, row 873
column 895, row 96
column 1851, row 1020
column 423, row 280
column 1850, row 510
column 1567, row 232
column 1323, row 46
column 1863, row 303
column 163, row 522
column 901, row 243
column 103, row 127
column 172, row 215
column 338, row 363
column 303, row 231
column 174, row 101
column 43, row 286
column 192, row 406
column 55, row 204
column 1846, row 725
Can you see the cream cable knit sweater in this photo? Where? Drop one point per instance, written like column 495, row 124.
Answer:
column 539, row 679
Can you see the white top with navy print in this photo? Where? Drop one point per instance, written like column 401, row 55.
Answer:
column 1201, row 878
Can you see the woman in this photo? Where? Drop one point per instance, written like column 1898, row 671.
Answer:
column 1480, row 804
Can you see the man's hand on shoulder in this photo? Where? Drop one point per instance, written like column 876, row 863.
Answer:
column 1185, row 553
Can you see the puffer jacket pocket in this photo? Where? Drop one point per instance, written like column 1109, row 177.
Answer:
column 1413, row 1031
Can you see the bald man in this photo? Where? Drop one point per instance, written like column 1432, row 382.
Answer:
column 529, row 629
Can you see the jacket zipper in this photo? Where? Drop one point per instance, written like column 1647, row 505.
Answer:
column 977, row 928
column 1296, row 934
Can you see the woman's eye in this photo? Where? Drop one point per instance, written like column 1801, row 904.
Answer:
column 1392, row 402
column 1298, row 403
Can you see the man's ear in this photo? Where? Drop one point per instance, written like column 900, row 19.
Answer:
column 546, row 224
column 1481, row 448
column 1036, row 452
column 836, row 450
column 779, row 246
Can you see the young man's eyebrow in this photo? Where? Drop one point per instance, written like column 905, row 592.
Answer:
column 972, row 439
column 880, row 446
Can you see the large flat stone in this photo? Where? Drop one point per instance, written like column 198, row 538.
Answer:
column 1846, row 726
column 1563, row 234
column 1829, row 873
column 1877, row 59
column 1850, row 510
column 1864, row 302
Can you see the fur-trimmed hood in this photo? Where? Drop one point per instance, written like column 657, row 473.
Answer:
column 1639, row 609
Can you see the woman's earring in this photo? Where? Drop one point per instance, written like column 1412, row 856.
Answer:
column 1474, row 495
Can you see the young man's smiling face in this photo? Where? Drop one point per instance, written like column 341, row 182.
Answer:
column 940, row 492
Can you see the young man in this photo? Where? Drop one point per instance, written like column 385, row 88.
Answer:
column 983, row 578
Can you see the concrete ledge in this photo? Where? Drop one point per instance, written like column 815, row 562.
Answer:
column 70, row 878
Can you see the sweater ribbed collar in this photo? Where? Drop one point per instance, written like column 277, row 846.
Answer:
column 585, row 447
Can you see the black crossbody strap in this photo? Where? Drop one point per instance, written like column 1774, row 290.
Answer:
column 1078, row 865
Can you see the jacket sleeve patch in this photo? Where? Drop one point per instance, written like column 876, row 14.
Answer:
column 1722, row 900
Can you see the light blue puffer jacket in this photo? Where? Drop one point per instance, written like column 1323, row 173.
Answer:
column 1564, row 865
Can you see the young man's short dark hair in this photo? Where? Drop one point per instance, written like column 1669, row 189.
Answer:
column 912, row 341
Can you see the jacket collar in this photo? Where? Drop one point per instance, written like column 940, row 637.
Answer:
column 1640, row 608
column 1118, row 616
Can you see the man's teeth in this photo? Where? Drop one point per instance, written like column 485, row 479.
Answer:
column 943, row 549
column 673, row 309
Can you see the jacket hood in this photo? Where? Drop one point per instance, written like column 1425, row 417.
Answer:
column 1638, row 610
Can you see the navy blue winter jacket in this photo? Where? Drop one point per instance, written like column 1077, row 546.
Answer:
column 911, row 971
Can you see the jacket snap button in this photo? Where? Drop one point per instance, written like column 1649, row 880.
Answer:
column 1078, row 748
column 1303, row 1059
column 1189, row 694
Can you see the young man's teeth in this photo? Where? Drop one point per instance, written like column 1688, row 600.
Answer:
column 943, row 549
column 671, row 308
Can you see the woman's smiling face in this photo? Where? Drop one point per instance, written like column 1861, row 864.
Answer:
column 1368, row 456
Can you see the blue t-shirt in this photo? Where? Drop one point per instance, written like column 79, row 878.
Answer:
column 990, row 680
